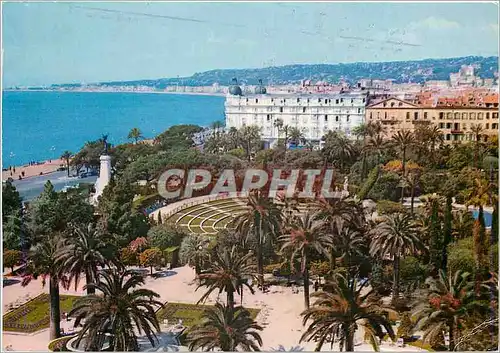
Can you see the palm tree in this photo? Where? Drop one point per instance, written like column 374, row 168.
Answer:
column 135, row 134
column 338, row 148
column 411, row 180
column 376, row 144
column 448, row 304
column 229, row 271
column 66, row 156
column 395, row 237
column 121, row 311
column 403, row 140
column 296, row 136
column 227, row 329
column 338, row 314
column 477, row 130
column 306, row 237
column 194, row 251
column 262, row 220
column 84, row 251
column 42, row 262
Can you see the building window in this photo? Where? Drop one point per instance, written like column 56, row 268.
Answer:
column 457, row 116
column 347, row 119
column 448, row 137
column 364, row 100
column 494, row 126
column 448, row 125
column 352, row 100
column 479, row 116
column 441, row 116
column 319, row 100
column 247, row 100
column 487, row 115
column 385, row 104
column 298, row 100
column 378, row 115
column 371, row 115
column 385, row 115
column 448, row 116
column 337, row 118
column 303, row 109
column 268, row 117
column 400, row 104
column 392, row 104
column 487, row 126
column 336, row 101
column 415, row 116
column 441, row 125
column 341, row 100
column 272, row 100
column 326, row 117
column 281, row 109
column 472, row 116
column 359, row 110
column 425, row 115
column 464, row 116
column 495, row 115
column 408, row 115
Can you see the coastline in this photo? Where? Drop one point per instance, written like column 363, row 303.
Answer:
column 213, row 94
column 45, row 167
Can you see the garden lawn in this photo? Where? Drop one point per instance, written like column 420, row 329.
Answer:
column 34, row 315
column 190, row 314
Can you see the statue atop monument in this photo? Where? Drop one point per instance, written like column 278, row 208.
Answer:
column 106, row 145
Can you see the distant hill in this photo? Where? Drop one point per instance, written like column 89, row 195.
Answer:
column 401, row 71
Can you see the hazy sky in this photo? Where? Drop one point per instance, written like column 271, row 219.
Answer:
column 47, row 43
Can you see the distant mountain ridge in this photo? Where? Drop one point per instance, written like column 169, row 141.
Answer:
column 416, row 71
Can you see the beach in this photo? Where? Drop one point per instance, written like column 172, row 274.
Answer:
column 43, row 168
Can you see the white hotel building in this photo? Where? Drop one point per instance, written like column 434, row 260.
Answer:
column 313, row 113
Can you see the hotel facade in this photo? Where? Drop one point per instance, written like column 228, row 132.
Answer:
column 314, row 113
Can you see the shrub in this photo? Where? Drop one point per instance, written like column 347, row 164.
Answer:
column 411, row 268
column 461, row 255
column 151, row 257
column 11, row 258
column 386, row 187
column 385, row 207
column 128, row 257
column 320, row 268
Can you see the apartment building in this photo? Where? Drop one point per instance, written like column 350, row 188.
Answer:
column 454, row 116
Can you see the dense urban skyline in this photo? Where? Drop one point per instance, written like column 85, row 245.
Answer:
column 46, row 43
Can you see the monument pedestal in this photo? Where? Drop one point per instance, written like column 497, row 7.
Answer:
column 104, row 176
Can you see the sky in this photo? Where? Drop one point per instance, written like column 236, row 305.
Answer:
column 46, row 43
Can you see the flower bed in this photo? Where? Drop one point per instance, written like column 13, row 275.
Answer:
column 59, row 344
column 34, row 315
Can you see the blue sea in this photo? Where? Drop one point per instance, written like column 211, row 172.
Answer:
column 38, row 126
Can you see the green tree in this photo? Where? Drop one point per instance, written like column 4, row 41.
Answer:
column 194, row 251
column 11, row 201
column 135, row 134
column 228, row 271
column 435, row 235
column 42, row 262
column 84, row 251
column 376, row 145
column 338, row 314
column 11, row 258
column 167, row 236
column 262, row 221
column 150, row 257
column 66, row 156
column 177, row 137
column 338, row 149
column 306, row 237
column 250, row 139
column 227, row 329
column 394, row 237
column 121, row 310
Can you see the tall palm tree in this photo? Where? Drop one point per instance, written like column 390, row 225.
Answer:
column 194, row 251
column 394, row 237
column 450, row 301
column 42, row 262
column 338, row 314
column 262, row 220
column 227, row 329
column 135, row 134
column 306, row 237
column 403, row 140
column 66, row 156
column 477, row 130
column 296, row 136
column 118, row 313
column 229, row 271
column 84, row 251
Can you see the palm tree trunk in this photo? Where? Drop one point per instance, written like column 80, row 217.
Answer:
column 306, row 286
column 67, row 165
column 55, row 310
column 395, row 285
column 230, row 299
column 349, row 339
column 88, row 280
column 403, row 161
column 260, row 267
column 451, row 327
